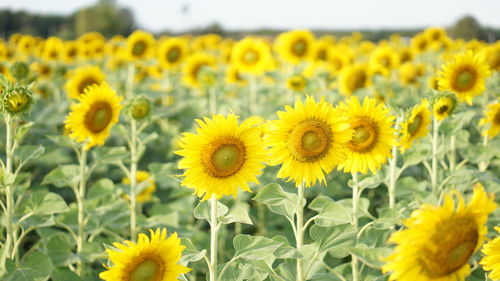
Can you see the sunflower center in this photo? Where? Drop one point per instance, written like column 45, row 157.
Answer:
column 385, row 61
column 365, row 135
column 465, row 79
column 322, row 55
column 496, row 119
column 139, row 48
column 88, row 81
column 251, row 57
column 17, row 103
column 359, row 80
column 414, row 126
column 224, row 157
column 299, row 48
column 174, row 54
column 310, row 140
column 148, row 270
column 450, row 247
column 98, row 117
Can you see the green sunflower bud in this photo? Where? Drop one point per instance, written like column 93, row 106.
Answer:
column 19, row 70
column 16, row 100
column 139, row 107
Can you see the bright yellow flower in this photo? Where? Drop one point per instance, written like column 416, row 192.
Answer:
column 221, row 156
column 416, row 125
column 308, row 140
column 385, row 57
column 410, row 72
column 438, row 241
column 492, row 117
column 233, row 76
column 251, row 55
column 172, row 51
column 491, row 261
column 152, row 258
column 193, row 66
column 443, row 105
column 296, row 83
column 82, row 78
column 140, row 45
column 353, row 78
column 295, row 46
column 146, row 186
column 53, row 49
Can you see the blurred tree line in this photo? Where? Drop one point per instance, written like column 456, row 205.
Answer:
column 105, row 16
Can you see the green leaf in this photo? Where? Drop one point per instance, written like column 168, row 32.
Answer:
column 59, row 250
column 63, row 176
column 319, row 203
column 254, row 247
column 416, row 155
column 27, row 152
column 286, row 251
column 62, row 141
column 22, row 130
column 277, row 200
column 237, row 214
column 106, row 155
column 239, row 272
column 170, row 219
column 191, row 254
column 202, row 210
column 337, row 238
column 332, row 214
column 64, row 274
column 35, row 266
column 372, row 257
column 45, row 203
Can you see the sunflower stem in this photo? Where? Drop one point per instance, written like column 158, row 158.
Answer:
column 435, row 141
column 130, row 81
column 483, row 165
column 300, row 231
column 133, row 179
column 212, row 100
column 213, row 238
column 80, row 196
column 355, row 199
column 452, row 157
column 393, row 177
column 252, row 103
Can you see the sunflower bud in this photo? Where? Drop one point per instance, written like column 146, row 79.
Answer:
column 16, row 100
column 443, row 105
column 19, row 70
column 139, row 107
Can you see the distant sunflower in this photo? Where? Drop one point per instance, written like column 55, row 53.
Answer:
column 410, row 72
column 337, row 60
column 435, row 34
column 193, row 66
column 491, row 260
column 53, row 49
column 43, row 70
column 82, row 78
column 443, row 105
column 295, row 46
column 171, row 52
column 233, row 76
column 308, row 140
column 221, row 156
column 420, row 43
column 140, row 45
column 146, row 184
column 406, row 55
column 439, row 240
column 353, row 78
column 251, row 55
column 465, row 76
column 416, row 125
column 91, row 119
column 492, row 56
column 152, row 258
column 296, row 83
column 71, row 51
column 385, row 57
column 492, row 117
column 322, row 49
column 373, row 136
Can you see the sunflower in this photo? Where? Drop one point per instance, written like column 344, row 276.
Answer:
column 308, row 140
column 416, row 125
column 384, row 57
column 140, row 45
column 233, row 76
column 373, row 136
column 492, row 56
column 465, row 76
column 53, row 49
column 172, row 52
column 410, row 72
column 146, row 184
column 251, row 55
column 435, row 34
column 433, row 83
column 43, row 70
column 353, row 78
column 71, row 51
column 406, row 55
column 420, row 43
column 296, row 83
column 295, row 46
column 82, row 78
column 152, row 258
column 491, row 261
column 439, row 240
column 492, row 117
column 193, row 66
column 322, row 49
column 221, row 157
column 92, row 118
column 337, row 60
column 443, row 105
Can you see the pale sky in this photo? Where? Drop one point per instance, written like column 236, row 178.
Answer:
column 157, row 15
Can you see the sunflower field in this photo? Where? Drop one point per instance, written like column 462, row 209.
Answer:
column 291, row 158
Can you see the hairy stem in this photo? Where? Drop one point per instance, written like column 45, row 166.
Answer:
column 80, row 198
column 300, row 231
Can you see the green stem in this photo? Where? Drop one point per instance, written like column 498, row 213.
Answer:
column 393, row 177
column 252, row 103
column 214, row 228
column 355, row 199
column 133, row 180
column 130, row 81
column 300, row 230
column 452, row 157
column 435, row 141
column 9, row 194
column 80, row 198
column 483, row 165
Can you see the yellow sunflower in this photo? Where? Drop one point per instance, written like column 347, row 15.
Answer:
column 43, row 70
column 465, row 76
column 435, row 34
column 193, row 66
column 406, row 55
column 416, row 125
column 295, row 46
column 146, row 184
column 433, row 83
column 91, row 119
column 373, row 136
column 353, row 78
column 221, row 157
column 420, row 43
column 337, row 60
column 439, row 240
column 491, row 261
column 492, row 56
column 296, row 83
column 322, row 49
column 385, row 57
column 82, row 78
column 53, row 49
column 443, row 105
column 251, row 55
column 492, row 117
column 171, row 52
column 71, row 51
column 308, row 140
column 233, row 76
column 152, row 258
column 410, row 72
column 140, row 45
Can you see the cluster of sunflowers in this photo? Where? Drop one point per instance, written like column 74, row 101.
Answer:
column 411, row 122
